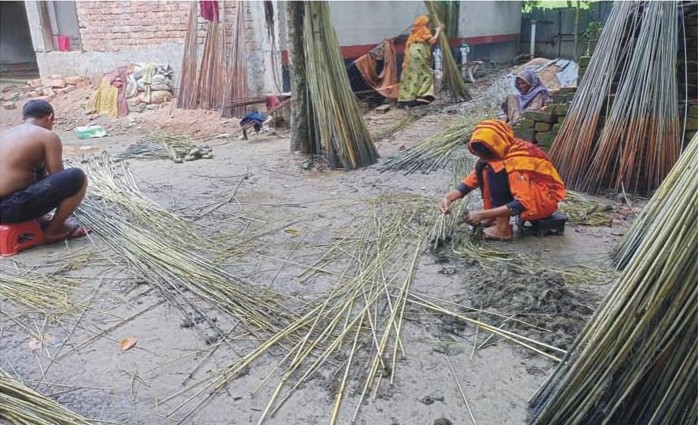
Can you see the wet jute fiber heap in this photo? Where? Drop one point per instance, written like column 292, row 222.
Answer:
column 340, row 128
column 581, row 210
column 638, row 142
column 636, row 360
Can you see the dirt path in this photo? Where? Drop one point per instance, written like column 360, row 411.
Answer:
column 96, row 379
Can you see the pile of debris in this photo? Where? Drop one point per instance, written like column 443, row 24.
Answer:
column 45, row 88
column 132, row 88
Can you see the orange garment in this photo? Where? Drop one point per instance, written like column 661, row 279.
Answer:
column 386, row 83
column 420, row 33
column 533, row 180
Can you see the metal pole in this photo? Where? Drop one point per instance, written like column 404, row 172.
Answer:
column 560, row 30
column 576, row 50
column 532, row 39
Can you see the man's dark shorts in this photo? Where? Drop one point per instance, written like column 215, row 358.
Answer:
column 41, row 197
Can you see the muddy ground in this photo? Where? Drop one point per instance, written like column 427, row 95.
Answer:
column 75, row 357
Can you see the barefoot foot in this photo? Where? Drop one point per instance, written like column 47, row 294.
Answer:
column 493, row 234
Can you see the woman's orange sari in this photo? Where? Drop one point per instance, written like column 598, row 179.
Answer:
column 533, row 179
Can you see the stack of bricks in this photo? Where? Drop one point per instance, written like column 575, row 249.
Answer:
column 541, row 127
column 583, row 63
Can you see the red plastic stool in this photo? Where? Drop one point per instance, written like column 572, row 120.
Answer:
column 16, row 237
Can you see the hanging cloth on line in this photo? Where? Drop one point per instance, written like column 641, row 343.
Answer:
column 209, row 10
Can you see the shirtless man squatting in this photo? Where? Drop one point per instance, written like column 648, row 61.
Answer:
column 33, row 181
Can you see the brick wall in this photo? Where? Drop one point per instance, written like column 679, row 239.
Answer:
column 107, row 26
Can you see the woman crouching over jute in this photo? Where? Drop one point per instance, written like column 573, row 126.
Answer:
column 516, row 178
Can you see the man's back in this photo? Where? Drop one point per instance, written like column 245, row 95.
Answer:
column 22, row 154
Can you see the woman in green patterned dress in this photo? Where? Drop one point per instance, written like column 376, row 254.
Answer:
column 416, row 82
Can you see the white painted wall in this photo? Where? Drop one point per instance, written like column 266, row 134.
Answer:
column 94, row 64
column 368, row 22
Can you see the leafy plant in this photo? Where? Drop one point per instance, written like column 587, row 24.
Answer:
column 592, row 31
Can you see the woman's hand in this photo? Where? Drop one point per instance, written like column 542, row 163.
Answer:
column 475, row 217
column 438, row 31
column 445, row 206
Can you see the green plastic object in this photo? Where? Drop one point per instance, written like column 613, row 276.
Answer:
column 90, row 131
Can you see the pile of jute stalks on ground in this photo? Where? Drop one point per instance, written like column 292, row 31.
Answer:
column 359, row 320
column 350, row 336
column 170, row 146
column 413, row 115
column 581, row 210
column 167, row 251
column 436, row 151
column 46, row 294
column 20, row 404
column 445, row 224
column 636, row 360
column 630, row 87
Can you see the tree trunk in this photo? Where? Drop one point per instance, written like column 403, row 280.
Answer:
column 300, row 118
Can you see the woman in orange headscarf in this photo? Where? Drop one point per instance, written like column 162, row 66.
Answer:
column 516, row 178
column 416, row 82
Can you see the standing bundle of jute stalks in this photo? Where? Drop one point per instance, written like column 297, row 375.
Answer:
column 21, row 405
column 636, row 360
column 628, row 245
column 236, row 90
column 452, row 78
column 342, row 133
column 639, row 138
column 186, row 94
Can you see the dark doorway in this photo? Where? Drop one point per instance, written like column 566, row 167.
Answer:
column 17, row 56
